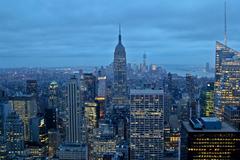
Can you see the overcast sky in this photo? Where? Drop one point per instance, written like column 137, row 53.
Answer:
column 84, row 32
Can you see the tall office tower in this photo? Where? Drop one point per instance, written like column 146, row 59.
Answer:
column 91, row 114
column 102, row 98
column 53, row 101
column 38, row 131
column 74, row 111
column 146, row 124
column 143, row 66
column 227, row 77
column 101, row 103
column 14, row 135
column 89, row 84
column 31, row 87
column 192, row 103
column 207, row 100
column 208, row 138
column 232, row 115
column 207, row 67
column 120, row 91
column 37, row 147
column 50, row 117
column 168, row 101
column 190, row 87
column 4, row 111
column 26, row 108
column 104, row 141
column 101, row 87
column 101, row 92
column 5, row 108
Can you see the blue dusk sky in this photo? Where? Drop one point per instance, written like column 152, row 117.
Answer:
column 49, row 33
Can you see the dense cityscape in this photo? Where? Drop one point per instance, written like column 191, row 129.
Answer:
column 122, row 111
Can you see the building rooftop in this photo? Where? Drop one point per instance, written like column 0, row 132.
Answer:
column 72, row 146
column 224, row 128
column 145, row 91
column 232, row 108
column 210, row 119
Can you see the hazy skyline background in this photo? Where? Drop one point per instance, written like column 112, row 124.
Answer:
column 51, row 33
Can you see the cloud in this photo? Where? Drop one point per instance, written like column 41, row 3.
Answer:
column 177, row 31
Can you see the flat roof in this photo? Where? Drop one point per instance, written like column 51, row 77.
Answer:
column 225, row 128
column 233, row 108
column 145, row 91
column 210, row 119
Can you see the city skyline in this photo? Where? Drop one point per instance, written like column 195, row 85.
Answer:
column 49, row 34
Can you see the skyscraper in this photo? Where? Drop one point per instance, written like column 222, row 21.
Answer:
column 207, row 100
column 208, row 138
column 4, row 111
column 15, row 135
column 31, row 87
column 52, row 112
column 53, row 101
column 74, row 111
column 101, row 87
column 89, row 84
column 120, row 91
column 146, row 124
column 227, row 78
column 26, row 107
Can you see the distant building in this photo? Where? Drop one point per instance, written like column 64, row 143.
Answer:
column 72, row 152
column 232, row 115
column 208, row 138
column 53, row 101
column 190, row 87
column 120, row 91
column 101, row 103
column 38, row 130
column 104, row 141
column 3, row 94
column 91, row 113
column 101, row 89
column 36, row 150
column 26, row 107
column 4, row 111
column 74, row 112
column 146, row 124
column 31, row 87
column 53, row 142
column 89, row 83
column 14, row 135
column 51, row 118
column 153, row 68
column 207, row 67
column 207, row 100
column 227, row 77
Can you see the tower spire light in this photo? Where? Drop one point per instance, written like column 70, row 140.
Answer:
column 225, row 22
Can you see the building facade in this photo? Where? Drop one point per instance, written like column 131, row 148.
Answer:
column 146, row 124
column 120, row 91
column 74, row 112
column 208, row 138
column 26, row 107
column 227, row 78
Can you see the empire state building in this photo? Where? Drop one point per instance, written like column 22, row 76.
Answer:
column 120, row 90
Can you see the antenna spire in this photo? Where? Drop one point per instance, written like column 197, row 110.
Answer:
column 225, row 22
column 119, row 36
